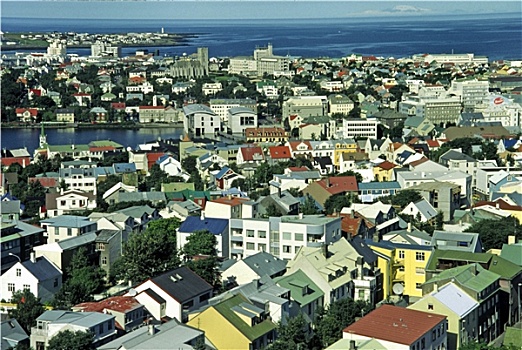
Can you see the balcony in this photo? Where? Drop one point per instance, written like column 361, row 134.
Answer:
column 235, row 238
column 398, row 276
column 366, row 282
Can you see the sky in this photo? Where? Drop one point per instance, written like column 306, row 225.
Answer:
column 248, row 9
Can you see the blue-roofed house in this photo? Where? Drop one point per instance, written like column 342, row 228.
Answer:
column 12, row 335
column 223, row 178
column 371, row 191
column 217, row 227
column 39, row 275
column 238, row 272
column 124, row 168
column 459, row 241
column 66, row 226
column 504, row 144
column 460, row 309
column 171, row 166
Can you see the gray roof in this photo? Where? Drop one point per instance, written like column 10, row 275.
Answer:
column 197, row 108
column 77, row 241
column 72, row 221
column 170, row 335
column 42, row 269
column 467, row 241
column 10, row 207
column 12, row 333
column 237, row 110
column 456, row 299
column 455, row 155
column 81, row 319
column 106, row 235
column 264, row 263
column 137, row 211
column 141, row 196
column 182, row 289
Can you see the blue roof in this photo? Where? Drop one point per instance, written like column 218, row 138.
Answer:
column 222, row 172
column 195, row 223
column 392, row 245
column 69, row 221
column 378, row 185
column 510, row 143
column 124, row 167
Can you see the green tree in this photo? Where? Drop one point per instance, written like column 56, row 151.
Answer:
column 200, row 242
column 196, row 179
column 150, row 253
column 331, row 321
column 493, row 233
column 206, row 268
column 402, row 198
column 336, row 203
column 292, row 335
column 69, row 340
column 309, row 207
column 357, row 175
column 439, row 220
column 27, row 310
column 189, row 164
column 484, row 346
column 83, row 280
column 272, row 211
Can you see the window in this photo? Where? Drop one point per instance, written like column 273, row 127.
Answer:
column 401, row 254
column 419, row 256
column 261, row 234
column 250, row 233
column 104, row 260
column 10, row 287
column 55, row 282
column 418, row 285
column 250, row 246
column 100, row 246
column 361, row 294
column 26, row 286
column 287, row 236
column 430, row 306
column 419, row 271
column 286, row 249
column 261, row 247
column 18, row 272
column 299, row 237
column 69, row 232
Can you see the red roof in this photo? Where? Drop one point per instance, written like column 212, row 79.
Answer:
column 102, row 149
column 293, row 116
column 297, row 169
column 81, row 94
column 249, row 152
column 152, row 107
column 279, row 152
column 37, row 92
column 433, row 143
column 420, row 161
column 118, row 105
column 153, row 157
column 339, row 184
column 501, row 204
column 33, row 111
column 386, row 165
column 293, row 145
column 116, row 303
column 46, row 182
column 395, row 324
column 233, row 201
column 23, row 161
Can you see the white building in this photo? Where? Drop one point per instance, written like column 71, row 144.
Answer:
column 331, row 86
column 458, row 59
column 471, row 92
column 211, row 88
column 200, row 120
column 221, row 106
column 305, row 106
column 360, row 128
column 243, row 65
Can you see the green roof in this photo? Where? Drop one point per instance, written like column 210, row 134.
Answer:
column 296, row 282
column 68, row 148
column 105, row 143
column 472, row 276
column 512, row 253
column 177, row 186
column 494, row 263
column 251, row 332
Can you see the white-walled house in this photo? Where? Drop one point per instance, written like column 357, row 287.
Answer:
column 66, row 226
column 39, row 275
column 200, row 120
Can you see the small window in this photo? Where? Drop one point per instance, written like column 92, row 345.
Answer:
column 10, row 287
column 250, row 233
column 418, row 285
column 287, row 236
column 26, row 286
column 299, row 237
column 250, row 246
column 430, row 306
column 401, row 254
column 261, row 234
column 18, row 272
column 419, row 256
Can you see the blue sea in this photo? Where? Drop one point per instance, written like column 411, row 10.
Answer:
column 498, row 37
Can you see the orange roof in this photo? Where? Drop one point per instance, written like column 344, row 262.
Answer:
column 248, row 153
column 279, row 152
column 293, row 144
column 395, row 324
column 386, row 165
column 32, row 111
column 153, row 157
column 433, row 143
column 339, row 184
column 116, row 303
column 118, row 105
column 420, row 161
column 45, row 181
column 152, row 107
column 233, row 201
column 101, row 149
column 301, row 168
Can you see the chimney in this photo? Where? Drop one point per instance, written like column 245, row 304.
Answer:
column 409, row 227
column 279, row 191
column 352, row 213
column 352, row 345
column 324, row 249
column 512, row 240
column 202, row 217
column 33, row 257
column 360, row 264
column 301, row 216
column 376, row 237
column 152, row 329
column 497, row 205
column 435, row 287
column 327, row 181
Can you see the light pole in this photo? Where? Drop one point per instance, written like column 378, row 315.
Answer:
column 518, row 300
column 20, row 260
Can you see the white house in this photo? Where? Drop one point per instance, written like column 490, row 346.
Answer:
column 240, row 118
column 211, row 88
column 421, row 208
column 39, row 275
column 65, row 226
column 200, row 120
column 171, row 166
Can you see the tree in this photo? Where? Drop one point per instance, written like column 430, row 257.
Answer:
column 83, row 280
column 149, row 253
column 484, row 346
column 292, row 335
column 309, row 207
column 200, row 242
column 402, row 198
column 27, row 310
column 189, row 164
column 336, row 203
column 69, row 340
column 439, row 220
column 357, row 175
column 338, row 315
column 493, row 233
column 206, row 268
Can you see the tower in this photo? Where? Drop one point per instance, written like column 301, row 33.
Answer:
column 203, row 58
column 43, row 137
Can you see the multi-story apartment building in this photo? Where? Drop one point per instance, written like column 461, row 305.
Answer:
column 243, row 65
column 471, row 92
column 360, row 128
column 263, row 134
column 339, row 104
column 458, row 59
column 101, row 48
column 305, row 106
column 221, row 106
column 66, row 226
column 267, row 62
column 152, row 114
column 241, row 118
column 281, row 236
column 78, row 179
column 433, row 103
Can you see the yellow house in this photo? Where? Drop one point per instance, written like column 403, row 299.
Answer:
column 235, row 323
column 460, row 309
column 403, row 267
column 384, row 171
column 343, row 146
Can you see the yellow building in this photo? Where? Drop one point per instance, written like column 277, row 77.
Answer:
column 343, row 146
column 383, row 172
column 235, row 323
column 403, row 267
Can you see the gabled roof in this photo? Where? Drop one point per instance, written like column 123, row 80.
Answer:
column 386, row 165
column 12, row 334
column 81, row 319
column 339, row 184
column 279, row 152
column 263, row 263
column 302, row 288
column 455, row 299
column 182, row 284
column 395, row 324
column 252, row 153
column 512, row 253
column 195, row 223
column 42, row 269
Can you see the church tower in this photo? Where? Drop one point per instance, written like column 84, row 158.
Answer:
column 43, row 137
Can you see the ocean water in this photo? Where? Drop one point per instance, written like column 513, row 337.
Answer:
column 496, row 37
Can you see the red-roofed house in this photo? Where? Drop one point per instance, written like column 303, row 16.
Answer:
column 228, row 208
column 400, row 328
column 152, row 157
column 356, row 225
column 383, row 171
column 253, row 154
column 300, row 148
column 323, row 189
column 279, row 154
column 129, row 313
column 26, row 114
column 433, row 145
